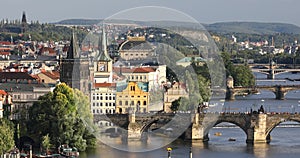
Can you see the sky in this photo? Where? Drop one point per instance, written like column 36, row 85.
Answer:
column 204, row 11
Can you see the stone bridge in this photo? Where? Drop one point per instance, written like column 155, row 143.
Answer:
column 279, row 90
column 271, row 69
column 257, row 127
column 272, row 72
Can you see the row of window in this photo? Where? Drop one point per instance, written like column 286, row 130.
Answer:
column 128, row 110
column 120, row 96
column 105, row 124
column 136, row 77
column 102, row 104
column 103, row 94
column 106, row 98
column 106, row 111
column 126, row 103
column 136, row 54
column 29, row 96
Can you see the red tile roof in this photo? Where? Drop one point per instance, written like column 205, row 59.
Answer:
column 51, row 51
column 52, row 74
column 2, row 92
column 15, row 75
column 4, row 53
column 134, row 70
column 4, row 49
column 5, row 43
column 98, row 85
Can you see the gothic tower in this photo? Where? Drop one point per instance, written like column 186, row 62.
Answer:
column 103, row 63
column 75, row 69
column 24, row 23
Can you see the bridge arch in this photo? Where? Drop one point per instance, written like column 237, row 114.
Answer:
column 241, row 126
column 147, row 125
column 278, row 122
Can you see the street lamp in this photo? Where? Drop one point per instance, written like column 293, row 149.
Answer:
column 169, row 152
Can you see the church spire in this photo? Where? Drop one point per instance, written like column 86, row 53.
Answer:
column 102, row 46
column 24, row 22
column 73, row 51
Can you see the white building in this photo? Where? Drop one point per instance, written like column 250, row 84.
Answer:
column 103, row 98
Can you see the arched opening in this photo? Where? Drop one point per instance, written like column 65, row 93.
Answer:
column 149, row 127
column 155, row 129
column 226, row 132
column 25, row 141
column 294, row 95
column 285, row 133
column 113, row 132
column 108, row 129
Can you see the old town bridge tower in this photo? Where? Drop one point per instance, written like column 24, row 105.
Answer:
column 74, row 69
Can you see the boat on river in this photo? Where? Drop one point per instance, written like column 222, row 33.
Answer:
column 218, row 134
column 47, row 156
column 68, row 152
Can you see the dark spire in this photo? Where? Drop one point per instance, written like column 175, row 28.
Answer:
column 102, row 46
column 24, row 18
column 73, row 51
column 24, row 22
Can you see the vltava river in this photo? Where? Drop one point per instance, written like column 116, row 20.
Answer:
column 285, row 139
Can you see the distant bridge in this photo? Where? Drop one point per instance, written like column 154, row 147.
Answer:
column 272, row 72
column 257, row 127
column 273, row 69
column 267, row 65
column 279, row 90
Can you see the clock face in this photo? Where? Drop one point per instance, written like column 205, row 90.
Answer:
column 101, row 67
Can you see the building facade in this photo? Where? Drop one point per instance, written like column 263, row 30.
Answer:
column 133, row 99
column 103, row 98
column 136, row 48
column 173, row 93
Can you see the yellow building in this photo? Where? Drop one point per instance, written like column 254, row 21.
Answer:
column 134, row 98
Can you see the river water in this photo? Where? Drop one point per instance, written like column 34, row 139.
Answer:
column 285, row 139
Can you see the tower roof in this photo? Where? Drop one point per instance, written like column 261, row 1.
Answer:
column 24, row 18
column 73, row 51
column 102, row 45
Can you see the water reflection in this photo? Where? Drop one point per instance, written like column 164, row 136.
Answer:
column 259, row 150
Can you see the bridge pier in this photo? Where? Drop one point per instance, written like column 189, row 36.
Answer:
column 197, row 130
column 134, row 129
column 271, row 74
column 257, row 131
column 230, row 94
column 280, row 93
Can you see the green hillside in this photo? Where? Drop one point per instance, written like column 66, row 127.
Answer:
column 253, row 28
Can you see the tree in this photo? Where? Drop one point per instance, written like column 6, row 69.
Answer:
column 6, row 136
column 63, row 114
column 46, row 143
column 241, row 74
column 181, row 104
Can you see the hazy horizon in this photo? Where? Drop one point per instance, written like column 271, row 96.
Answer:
column 204, row 11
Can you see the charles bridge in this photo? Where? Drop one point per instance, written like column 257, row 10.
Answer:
column 195, row 126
